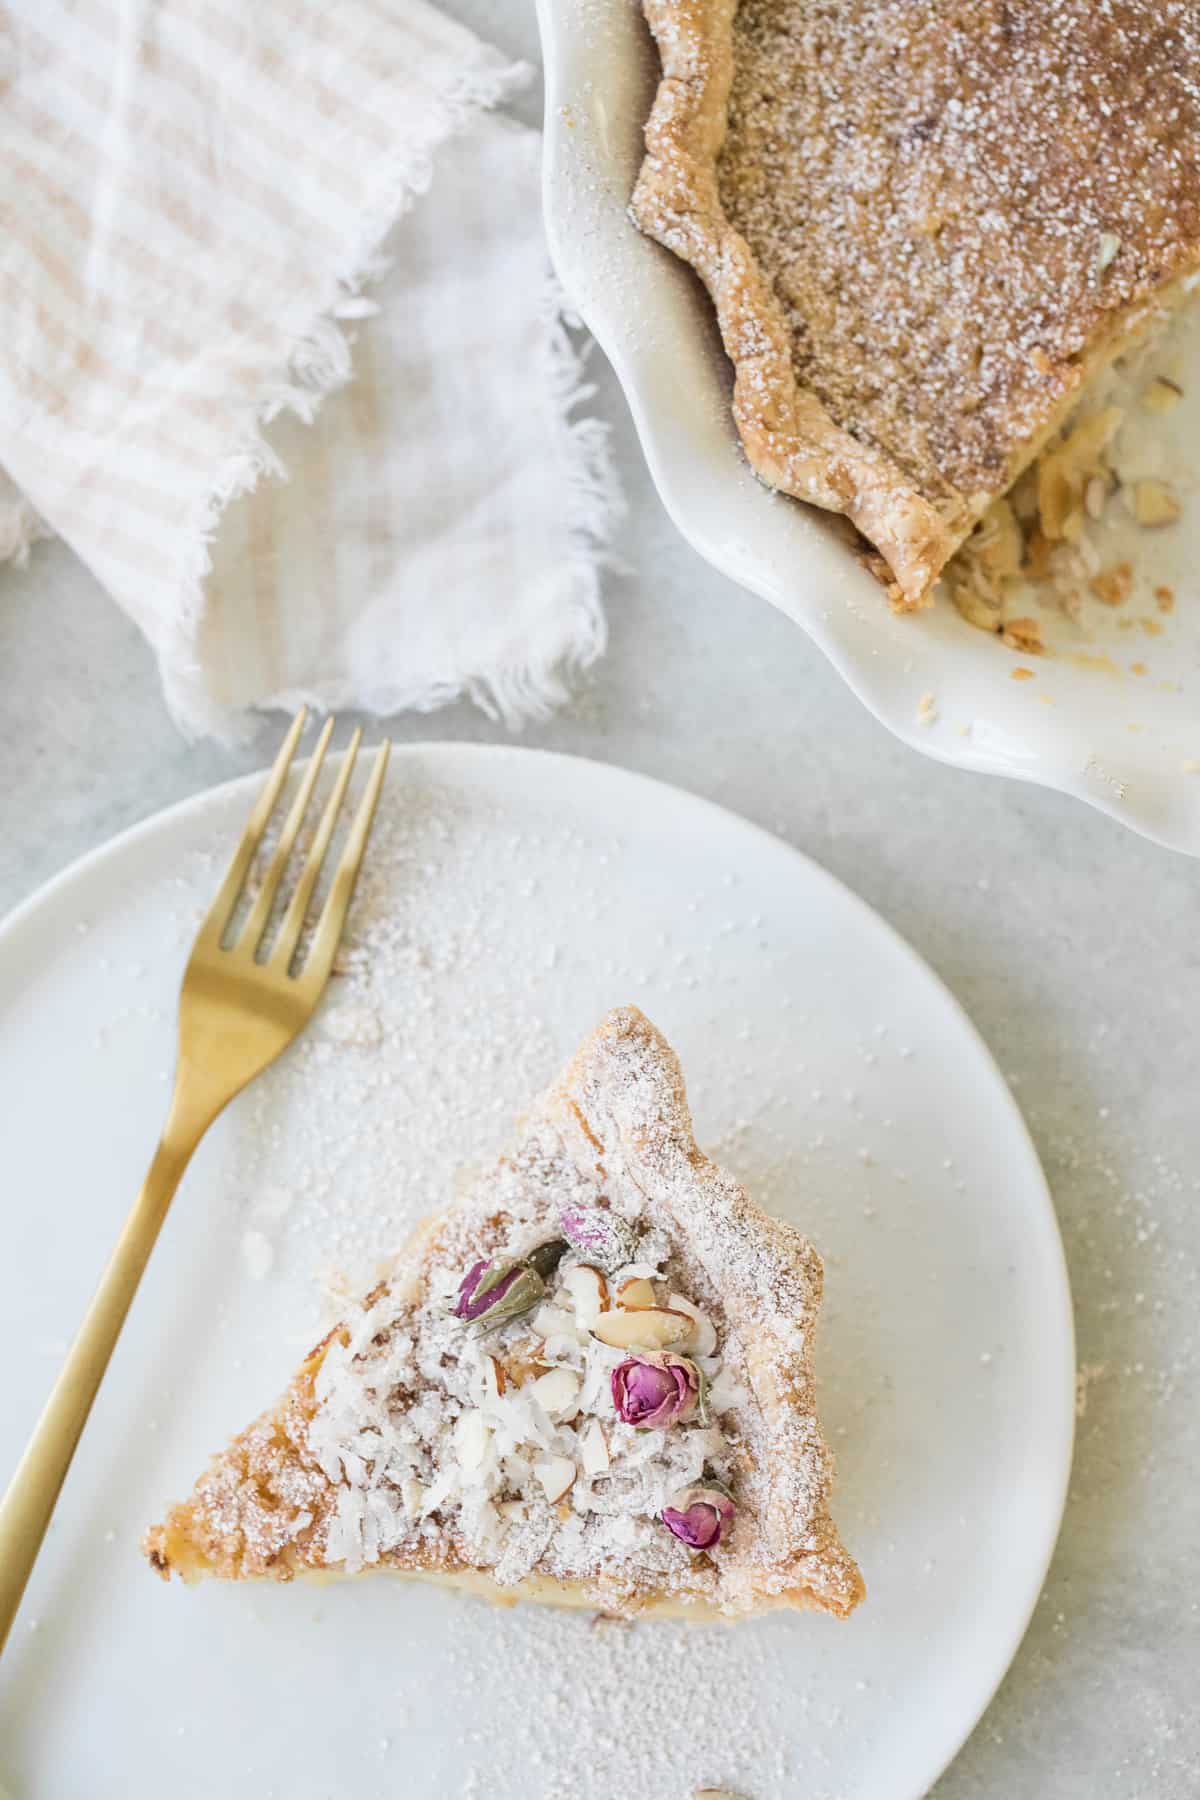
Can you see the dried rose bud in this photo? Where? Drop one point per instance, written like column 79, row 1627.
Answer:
column 653, row 1391
column 491, row 1292
column 546, row 1258
column 698, row 1516
column 602, row 1236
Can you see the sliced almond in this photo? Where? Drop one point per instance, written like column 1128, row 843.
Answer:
column 412, row 1494
column 1154, row 504
column 1106, row 250
column 634, row 1271
column 445, row 1488
column 977, row 608
column 1038, row 554
column 1114, row 585
column 1089, row 440
column 704, row 1338
column 638, row 1292
column 1161, row 395
column 593, row 1449
column 494, row 1379
column 471, row 1437
column 557, row 1392
column 1056, row 495
column 555, row 1474
column 1094, row 496
column 999, row 542
column 643, row 1328
column 1063, row 473
column 525, row 1361
column 587, row 1291
column 1024, row 635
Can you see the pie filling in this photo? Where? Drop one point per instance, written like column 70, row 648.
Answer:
column 924, row 229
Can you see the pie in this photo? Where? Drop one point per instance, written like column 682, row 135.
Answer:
column 926, row 227
column 588, row 1383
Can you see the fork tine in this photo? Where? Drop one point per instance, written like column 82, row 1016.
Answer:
column 333, row 914
column 221, row 910
column 293, row 921
column 260, row 913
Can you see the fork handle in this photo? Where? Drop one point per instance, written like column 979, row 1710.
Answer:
column 33, row 1491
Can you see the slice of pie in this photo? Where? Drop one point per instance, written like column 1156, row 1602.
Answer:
column 589, row 1383
column 925, row 228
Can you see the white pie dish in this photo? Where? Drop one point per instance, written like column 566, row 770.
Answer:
column 1110, row 717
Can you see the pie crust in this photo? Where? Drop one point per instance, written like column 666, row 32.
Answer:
column 396, row 1448
column 924, row 229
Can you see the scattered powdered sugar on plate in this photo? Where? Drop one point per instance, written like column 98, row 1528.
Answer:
column 700, row 1697
column 426, row 1049
column 414, row 1067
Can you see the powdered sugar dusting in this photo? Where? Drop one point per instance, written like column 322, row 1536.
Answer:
column 952, row 202
column 445, row 1445
column 593, row 1681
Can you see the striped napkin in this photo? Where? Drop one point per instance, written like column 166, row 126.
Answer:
column 281, row 360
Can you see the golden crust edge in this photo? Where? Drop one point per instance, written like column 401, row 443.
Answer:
column 829, row 1568
column 543, row 1590
column 790, row 439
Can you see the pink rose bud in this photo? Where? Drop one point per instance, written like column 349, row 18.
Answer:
column 698, row 1516
column 653, row 1392
column 491, row 1292
column 599, row 1234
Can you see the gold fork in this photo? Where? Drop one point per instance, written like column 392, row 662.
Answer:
column 236, row 1014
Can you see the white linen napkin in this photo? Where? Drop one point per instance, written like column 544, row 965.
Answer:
column 282, row 361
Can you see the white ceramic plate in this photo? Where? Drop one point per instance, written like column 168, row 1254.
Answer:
column 513, row 897
column 1088, row 723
